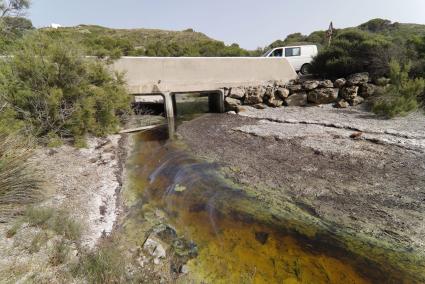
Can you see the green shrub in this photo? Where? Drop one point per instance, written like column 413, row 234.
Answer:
column 19, row 183
column 54, row 140
column 52, row 89
column 402, row 96
column 354, row 51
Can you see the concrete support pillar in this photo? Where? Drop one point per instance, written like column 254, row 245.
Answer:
column 168, row 105
column 216, row 101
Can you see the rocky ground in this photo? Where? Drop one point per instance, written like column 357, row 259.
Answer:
column 84, row 183
column 349, row 167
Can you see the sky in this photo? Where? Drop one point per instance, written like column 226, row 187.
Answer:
column 250, row 23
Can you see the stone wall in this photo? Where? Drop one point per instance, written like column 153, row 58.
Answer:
column 342, row 93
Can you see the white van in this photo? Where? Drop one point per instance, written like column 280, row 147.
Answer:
column 300, row 57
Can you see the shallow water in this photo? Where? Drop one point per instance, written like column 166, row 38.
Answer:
column 239, row 240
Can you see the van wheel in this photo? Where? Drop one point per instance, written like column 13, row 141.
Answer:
column 305, row 69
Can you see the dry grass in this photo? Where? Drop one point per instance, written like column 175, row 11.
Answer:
column 19, row 183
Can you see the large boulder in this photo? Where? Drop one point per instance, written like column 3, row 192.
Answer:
column 254, row 96
column 367, row 90
column 294, row 88
column 349, row 93
column 339, row 83
column 268, row 94
column 323, row 96
column 237, row 93
column 298, row 99
column 326, row 84
column 310, row 85
column 281, row 93
column 231, row 104
column 270, row 98
column 356, row 101
column 358, row 78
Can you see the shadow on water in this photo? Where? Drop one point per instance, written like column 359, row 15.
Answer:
column 240, row 239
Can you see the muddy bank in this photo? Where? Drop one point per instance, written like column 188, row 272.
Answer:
column 363, row 178
column 81, row 189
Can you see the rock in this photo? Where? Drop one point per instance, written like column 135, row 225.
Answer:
column 165, row 233
column 51, row 152
column 269, row 94
column 260, row 106
column 340, row 83
column 275, row 103
column 358, row 78
column 367, row 90
column 298, row 99
column 179, row 188
column 184, row 269
column 155, row 249
column 310, row 85
column 356, row 101
column 254, row 96
column 326, row 84
column 237, row 93
column 231, row 104
column 342, row 104
column 323, row 96
column 294, row 88
column 281, row 93
column 94, row 159
column 349, row 93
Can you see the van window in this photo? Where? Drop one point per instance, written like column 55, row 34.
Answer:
column 277, row 53
column 292, row 51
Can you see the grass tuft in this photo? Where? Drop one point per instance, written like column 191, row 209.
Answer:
column 60, row 252
column 59, row 222
column 19, row 183
column 106, row 265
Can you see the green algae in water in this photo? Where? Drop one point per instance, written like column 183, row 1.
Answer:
column 225, row 222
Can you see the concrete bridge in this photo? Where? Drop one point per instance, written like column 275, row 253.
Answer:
column 170, row 76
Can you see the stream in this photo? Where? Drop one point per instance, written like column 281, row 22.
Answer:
column 229, row 235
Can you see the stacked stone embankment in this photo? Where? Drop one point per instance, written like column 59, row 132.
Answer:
column 342, row 93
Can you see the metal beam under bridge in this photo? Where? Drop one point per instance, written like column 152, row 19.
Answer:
column 168, row 76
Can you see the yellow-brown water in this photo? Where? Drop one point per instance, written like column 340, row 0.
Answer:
column 235, row 245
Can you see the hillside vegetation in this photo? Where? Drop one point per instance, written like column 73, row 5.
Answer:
column 101, row 41
column 368, row 47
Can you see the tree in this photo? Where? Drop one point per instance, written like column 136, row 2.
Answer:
column 13, row 8
column 10, row 15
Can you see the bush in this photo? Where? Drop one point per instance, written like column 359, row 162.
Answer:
column 354, row 51
column 52, row 89
column 402, row 96
column 19, row 184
